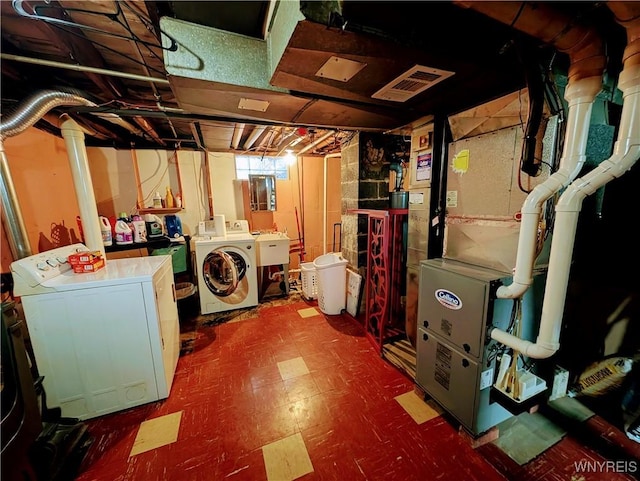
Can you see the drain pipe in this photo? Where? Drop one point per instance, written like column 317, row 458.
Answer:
column 588, row 61
column 326, row 204
column 580, row 95
column 25, row 116
column 625, row 155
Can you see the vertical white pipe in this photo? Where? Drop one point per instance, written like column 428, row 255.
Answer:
column 580, row 95
column 626, row 152
column 625, row 155
column 326, row 204
column 79, row 163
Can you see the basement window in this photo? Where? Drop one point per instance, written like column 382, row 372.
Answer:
column 261, row 165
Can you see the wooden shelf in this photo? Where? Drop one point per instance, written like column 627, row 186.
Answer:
column 159, row 210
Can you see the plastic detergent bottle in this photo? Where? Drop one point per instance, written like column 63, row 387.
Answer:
column 129, row 221
column 105, row 228
column 157, row 201
column 123, row 233
column 154, row 226
column 139, row 229
column 169, row 202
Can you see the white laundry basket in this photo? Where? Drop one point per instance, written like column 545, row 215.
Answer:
column 331, row 270
column 309, row 280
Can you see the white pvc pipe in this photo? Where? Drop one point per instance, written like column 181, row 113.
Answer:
column 79, row 163
column 324, row 210
column 580, row 95
column 625, row 155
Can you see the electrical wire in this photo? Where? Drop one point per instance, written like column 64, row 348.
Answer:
column 156, row 187
column 36, row 15
column 145, row 66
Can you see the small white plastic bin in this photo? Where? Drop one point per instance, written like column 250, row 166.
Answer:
column 309, row 280
column 331, row 270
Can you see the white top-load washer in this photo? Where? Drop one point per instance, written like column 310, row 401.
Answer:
column 103, row 341
column 226, row 269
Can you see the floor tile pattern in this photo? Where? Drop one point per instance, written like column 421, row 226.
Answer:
column 156, row 432
column 286, row 459
column 338, row 401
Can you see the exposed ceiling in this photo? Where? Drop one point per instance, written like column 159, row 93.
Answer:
column 260, row 76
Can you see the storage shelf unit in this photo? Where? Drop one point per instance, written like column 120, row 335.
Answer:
column 384, row 281
column 159, row 210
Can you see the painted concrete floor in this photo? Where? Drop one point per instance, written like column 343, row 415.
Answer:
column 284, row 392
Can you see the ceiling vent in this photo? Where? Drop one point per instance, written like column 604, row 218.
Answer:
column 411, row 83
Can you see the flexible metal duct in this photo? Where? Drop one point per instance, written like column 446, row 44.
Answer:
column 25, row 116
column 34, row 108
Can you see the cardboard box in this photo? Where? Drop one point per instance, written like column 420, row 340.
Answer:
column 96, row 264
column 84, row 258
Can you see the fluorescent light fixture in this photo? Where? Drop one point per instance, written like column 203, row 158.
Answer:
column 341, row 69
column 253, row 104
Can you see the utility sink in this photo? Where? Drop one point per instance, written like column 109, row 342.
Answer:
column 272, row 249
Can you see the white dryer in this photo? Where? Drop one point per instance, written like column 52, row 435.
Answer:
column 226, row 270
column 104, row 341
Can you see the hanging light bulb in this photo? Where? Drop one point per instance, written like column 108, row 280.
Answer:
column 289, row 157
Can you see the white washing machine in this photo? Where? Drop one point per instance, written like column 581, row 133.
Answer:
column 226, row 270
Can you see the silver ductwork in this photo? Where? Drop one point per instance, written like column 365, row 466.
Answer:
column 25, row 116
column 35, row 107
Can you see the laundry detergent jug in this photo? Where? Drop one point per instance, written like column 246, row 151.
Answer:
column 154, row 226
column 139, row 229
column 105, row 228
column 174, row 226
column 123, row 233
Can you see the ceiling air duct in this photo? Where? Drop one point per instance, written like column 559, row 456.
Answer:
column 220, row 73
column 411, row 83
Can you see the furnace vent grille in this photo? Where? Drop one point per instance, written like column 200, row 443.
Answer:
column 411, row 83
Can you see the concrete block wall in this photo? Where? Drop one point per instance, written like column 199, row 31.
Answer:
column 365, row 185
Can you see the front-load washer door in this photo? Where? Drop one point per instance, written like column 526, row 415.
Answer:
column 223, row 271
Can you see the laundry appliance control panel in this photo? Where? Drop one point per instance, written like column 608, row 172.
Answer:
column 33, row 270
